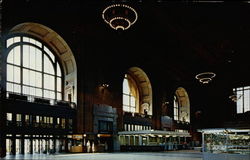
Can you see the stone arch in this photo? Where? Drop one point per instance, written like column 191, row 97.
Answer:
column 184, row 104
column 59, row 47
column 145, row 89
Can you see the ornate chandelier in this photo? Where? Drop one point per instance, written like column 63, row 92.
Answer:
column 205, row 77
column 119, row 16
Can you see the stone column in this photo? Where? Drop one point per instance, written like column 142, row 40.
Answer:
column 22, row 145
column 31, row 144
column 66, row 145
column 13, row 145
column 2, row 145
column 54, row 144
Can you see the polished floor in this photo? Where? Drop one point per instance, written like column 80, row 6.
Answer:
column 169, row 155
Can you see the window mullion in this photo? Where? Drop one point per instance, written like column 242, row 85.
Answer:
column 55, row 69
column 21, row 65
column 42, row 70
column 243, row 99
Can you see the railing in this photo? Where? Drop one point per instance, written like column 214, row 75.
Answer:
column 136, row 115
column 36, row 99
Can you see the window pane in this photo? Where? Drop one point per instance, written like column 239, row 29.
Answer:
column 49, row 82
column 126, row 108
column 38, row 44
column 38, row 60
column 26, row 56
column 125, row 86
column 9, row 116
column 32, row 91
column 132, row 109
column 17, row 39
column 38, row 79
column 17, row 74
column 10, row 87
column 132, row 101
column 26, row 90
column 49, row 94
column 39, row 92
column 9, row 42
column 26, row 77
column 59, row 84
column 246, row 100
column 49, row 53
column 32, row 41
column 52, row 95
column 26, row 39
column 32, row 53
column 17, row 56
column 247, row 87
column 10, row 58
column 48, row 67
column 18, row 117
column 240, row 105
column 59, row 96
column 32, row 78
column 125, row 99
column 59, row 73
column 10, row 73
column 17, row 88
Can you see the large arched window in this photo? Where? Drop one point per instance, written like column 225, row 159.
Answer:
column 130, row 94
column 176, row 109
column 181, row 105
column 137, row 92
column 32, row 69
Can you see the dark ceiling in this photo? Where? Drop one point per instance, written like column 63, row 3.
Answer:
column 171, row 40
column 183, row 38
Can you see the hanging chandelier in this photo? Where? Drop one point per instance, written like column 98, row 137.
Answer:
column 119, row 16
column 205, row 77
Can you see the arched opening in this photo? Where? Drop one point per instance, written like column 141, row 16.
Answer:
column 37, row 52
column 137, row 92
column 181, row 105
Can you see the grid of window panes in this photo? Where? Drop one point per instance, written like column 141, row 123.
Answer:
column 135, row 127
column 128, row 99
column 176, row 109
column 243, row 103
column 32, row 69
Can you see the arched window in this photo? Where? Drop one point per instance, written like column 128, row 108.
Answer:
column 137, row 92
column 181, row 105
column 32, row 69
column 176, row 109
column 130, row 94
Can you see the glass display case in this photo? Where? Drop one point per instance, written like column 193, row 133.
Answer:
column 227, row 144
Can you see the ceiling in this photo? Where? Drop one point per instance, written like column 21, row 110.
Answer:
column 171, row 41
column 180, row 38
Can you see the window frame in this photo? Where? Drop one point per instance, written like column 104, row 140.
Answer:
column 176, row 107
column 242, row 108
column 130, row 106
column 55, row 64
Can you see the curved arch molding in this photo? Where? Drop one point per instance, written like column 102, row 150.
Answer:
column 144, row 87
column 184, row 103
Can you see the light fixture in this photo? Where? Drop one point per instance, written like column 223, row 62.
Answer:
column 234, row 97
column 105, row 85
column 119, row 16
column 205, row 77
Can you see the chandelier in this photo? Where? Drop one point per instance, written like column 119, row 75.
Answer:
column 205, row 77
column 119, row 16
